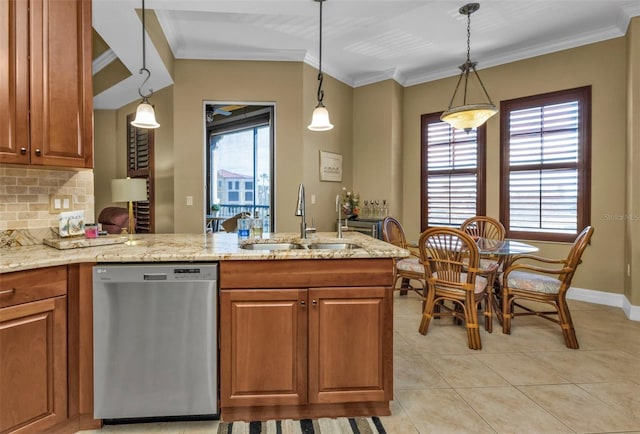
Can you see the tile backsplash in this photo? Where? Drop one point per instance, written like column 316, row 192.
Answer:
column 24, row 199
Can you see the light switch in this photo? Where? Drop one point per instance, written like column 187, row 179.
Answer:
column 59, row 203
column 313, row 199
column 189, row 200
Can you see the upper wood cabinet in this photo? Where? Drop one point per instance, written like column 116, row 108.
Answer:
column 46, row 97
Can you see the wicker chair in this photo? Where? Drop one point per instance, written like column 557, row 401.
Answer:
column 545, row 285
column 406, row 269
column 451, row 260
column 487, row 228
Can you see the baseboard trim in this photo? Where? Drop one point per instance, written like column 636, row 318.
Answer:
column 605, row 298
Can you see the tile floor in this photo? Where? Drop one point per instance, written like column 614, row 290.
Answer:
column 526, row 382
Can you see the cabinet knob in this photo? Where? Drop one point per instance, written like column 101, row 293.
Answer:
column 38, row 152
column 314, row 302
column 23, row 151
column 303, row 303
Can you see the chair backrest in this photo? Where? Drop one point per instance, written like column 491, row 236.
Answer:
column 484, row 227
column 575, row 254
column 447, row 253
column 393, row 233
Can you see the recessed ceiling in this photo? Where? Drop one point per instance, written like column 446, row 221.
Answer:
column 363, row 41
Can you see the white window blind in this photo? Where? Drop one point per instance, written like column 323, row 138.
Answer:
column 546, row 165
column 451, row 164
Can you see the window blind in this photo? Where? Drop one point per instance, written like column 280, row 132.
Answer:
column 543, row 155
column 546, row 164
column 451, row 163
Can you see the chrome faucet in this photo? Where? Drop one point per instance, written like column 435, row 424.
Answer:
column 339, row 210
column 300, row 212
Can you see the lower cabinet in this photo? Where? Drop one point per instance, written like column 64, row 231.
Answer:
column 33, row 350
column 305, row 352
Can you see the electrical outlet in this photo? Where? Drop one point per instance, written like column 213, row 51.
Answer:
column 189, row 200
column 313, row 199
column 628, row 270
column 59, row 203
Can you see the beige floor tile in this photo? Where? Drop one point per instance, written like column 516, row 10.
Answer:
column 441, row 411
column 398, row 422
column 581, row 366
column 625, row 396
column 414, row 372
column 465, row 371
column 520, row 369
column 507, row 410
column 581, row 411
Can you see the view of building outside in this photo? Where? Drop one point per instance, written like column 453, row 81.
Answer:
column 241, row 171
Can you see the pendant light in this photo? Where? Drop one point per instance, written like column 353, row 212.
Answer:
column 468, row 116
column 145, row 116
column 320, row 119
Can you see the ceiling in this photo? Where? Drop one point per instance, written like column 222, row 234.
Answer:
column 363, row 41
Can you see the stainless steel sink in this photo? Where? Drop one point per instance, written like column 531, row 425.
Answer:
column 334, row 246
column 272, row 246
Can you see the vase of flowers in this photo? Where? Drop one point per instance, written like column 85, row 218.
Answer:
column 215, row 209
column 350, row 204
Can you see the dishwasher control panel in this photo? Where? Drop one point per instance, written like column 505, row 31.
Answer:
column 145, row 272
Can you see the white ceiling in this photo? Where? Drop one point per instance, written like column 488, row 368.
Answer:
column 363, row 41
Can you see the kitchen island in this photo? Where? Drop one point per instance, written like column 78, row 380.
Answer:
column 304, row 332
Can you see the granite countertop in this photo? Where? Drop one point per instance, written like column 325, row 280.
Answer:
column 195, row 247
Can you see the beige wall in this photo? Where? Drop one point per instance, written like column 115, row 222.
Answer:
column 338, row 99
column 377, row 143
column 291, row 88
column 602, row 65
column 632, row 214
column 110, row 146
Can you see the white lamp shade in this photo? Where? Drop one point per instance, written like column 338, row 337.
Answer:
column 320, row 120
column 145, row 117
column 469, row 116
column 128, row 190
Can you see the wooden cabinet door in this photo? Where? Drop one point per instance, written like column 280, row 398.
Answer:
column 33, row 365
column 350, row 345
column 263, row 347
column 61, row 97
column 14, row 81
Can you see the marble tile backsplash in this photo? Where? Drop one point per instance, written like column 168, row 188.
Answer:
column 24, row 200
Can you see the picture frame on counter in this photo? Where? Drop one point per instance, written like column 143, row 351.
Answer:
column 330, row 166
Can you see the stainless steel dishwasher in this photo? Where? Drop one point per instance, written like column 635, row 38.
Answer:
column 155, row 341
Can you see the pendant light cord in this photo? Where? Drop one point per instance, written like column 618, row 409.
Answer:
column 320, row 76
column 144, row 60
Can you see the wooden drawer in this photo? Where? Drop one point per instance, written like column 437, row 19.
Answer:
column 30, row 285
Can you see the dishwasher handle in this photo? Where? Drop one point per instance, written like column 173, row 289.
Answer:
column 155, row 276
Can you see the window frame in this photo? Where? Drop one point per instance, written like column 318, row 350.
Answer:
column 480, row 169
column 583, row 166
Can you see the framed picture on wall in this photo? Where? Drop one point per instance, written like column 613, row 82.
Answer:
column 330, row 166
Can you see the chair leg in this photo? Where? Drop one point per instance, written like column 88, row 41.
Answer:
column 488, row 314
column 427, row 312
column 568, row 331
column 404, row 286
column 506, row 313
column 473, row 329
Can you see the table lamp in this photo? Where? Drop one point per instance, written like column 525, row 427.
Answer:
column 129, row 190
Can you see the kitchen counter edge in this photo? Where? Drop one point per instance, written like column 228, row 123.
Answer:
column 195, row 248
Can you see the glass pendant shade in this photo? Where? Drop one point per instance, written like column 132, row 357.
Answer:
column 145, row 116
column 469, row 116
column 320, row 119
